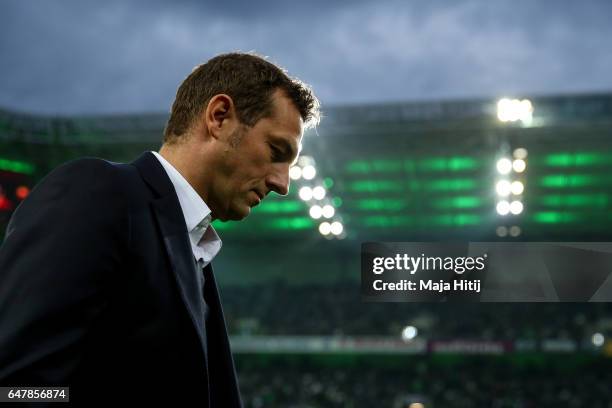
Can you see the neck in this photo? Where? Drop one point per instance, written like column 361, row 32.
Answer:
column 188, row 160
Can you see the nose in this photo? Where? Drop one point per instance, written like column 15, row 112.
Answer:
column 278, row 179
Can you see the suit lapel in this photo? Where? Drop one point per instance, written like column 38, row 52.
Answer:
column 179, row 251
column 221, row 362
column 176, row 240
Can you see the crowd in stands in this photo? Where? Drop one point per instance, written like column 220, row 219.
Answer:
column 278, row 308
column 472, row 382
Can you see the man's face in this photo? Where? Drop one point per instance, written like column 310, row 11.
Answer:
column 256, row 161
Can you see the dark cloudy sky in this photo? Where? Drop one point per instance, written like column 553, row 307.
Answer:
column 76, row 56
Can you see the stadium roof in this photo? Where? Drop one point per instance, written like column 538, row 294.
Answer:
column 403, row 171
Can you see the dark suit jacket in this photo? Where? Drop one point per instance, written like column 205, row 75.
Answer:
column 99, row 292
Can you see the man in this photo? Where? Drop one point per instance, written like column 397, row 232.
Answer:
column 106, row 284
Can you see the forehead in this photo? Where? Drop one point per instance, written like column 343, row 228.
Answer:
column 285, row 115
column 285, row 125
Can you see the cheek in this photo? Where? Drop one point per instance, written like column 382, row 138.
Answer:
column 254, row 173
column 248, row 171
column 242, row 182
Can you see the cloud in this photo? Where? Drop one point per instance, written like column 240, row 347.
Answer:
column 79, row 57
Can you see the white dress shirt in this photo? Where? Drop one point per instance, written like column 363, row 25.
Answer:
column 205, row 243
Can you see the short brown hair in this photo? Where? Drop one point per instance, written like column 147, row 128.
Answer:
column 249, row 80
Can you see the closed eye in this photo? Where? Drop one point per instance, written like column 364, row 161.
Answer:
column 283, row 151
column 277, row 154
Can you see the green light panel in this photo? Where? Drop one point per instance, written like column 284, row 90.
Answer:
column 555, row 217
column 431, row 164
column 425, row 221
column 579, row 159
column 448, row 164
column 16, row 166
column 375, row 186
column 399, row 204
column 397, row 186
column 277, row 223
column 279, row 207
column 291, row 223
column 574, row 180
column 458, row 202
column 380, row 204
column 598, row 200
column 451, row 184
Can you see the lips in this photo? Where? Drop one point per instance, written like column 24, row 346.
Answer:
column 260, row 195
column 257, row 198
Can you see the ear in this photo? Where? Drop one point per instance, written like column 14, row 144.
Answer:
column 220, row 116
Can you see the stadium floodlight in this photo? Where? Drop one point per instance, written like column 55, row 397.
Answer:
column 337, row 228
column 325, row 228
column 512, row 110
column 309, row 172
column 295, row 172
column 520, row 153
column 409, row 333
column 305, row 193
column 501, row 231
column 328, row 211
column 519, row 165
column 503, row 188
column 504, row 165
column 515, row 231
column 318, row 193
column 598, row 339
column 516, row 207
column 517, row 188
column 416, row 405
column 316, row 212
column 503, row 207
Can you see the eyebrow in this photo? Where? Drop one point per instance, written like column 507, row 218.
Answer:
column 288, row 151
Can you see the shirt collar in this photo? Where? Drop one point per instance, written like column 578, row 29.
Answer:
column 196, row 212
column 205, row 243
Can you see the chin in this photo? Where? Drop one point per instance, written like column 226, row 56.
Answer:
column 246, row 214
column 239, row 214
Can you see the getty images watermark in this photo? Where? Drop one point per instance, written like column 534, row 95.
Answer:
column 486, row 272
column 411, row 265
